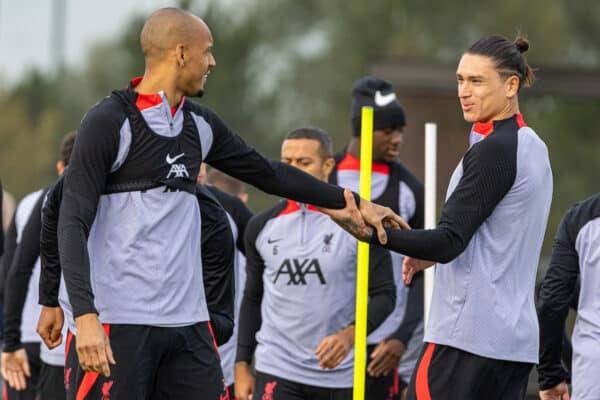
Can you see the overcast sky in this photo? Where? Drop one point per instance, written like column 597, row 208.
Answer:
column 25, row 30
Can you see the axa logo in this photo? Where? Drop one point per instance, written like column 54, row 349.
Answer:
column 298, row 271
column 177, row 170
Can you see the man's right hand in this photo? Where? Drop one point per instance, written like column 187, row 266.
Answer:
column 244, row 381
column 15, row 369
column 365, row 221
column 93, row 347
column 558, row 392
column 50, row 326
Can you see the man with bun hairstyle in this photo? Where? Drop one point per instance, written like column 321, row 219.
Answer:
column 482, row 335
column 391, row 359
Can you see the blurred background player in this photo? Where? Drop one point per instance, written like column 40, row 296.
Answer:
column 227, row 184
column 232, row 195
column 575, row 254
column 21, row 349
column 21, row 291
column 297, row 313
column 394, row 186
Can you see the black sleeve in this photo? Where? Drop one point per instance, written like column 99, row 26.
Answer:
column 217, row 264
column 382, row 290
column 1, row 221
column 240, row 213
column 489, row 171
column 17, row 280
column 555, row 295
column 414, row 310
column 50, row 268
column 94, row 153
column 232, row 155
column 10, row 245
column 250, row 315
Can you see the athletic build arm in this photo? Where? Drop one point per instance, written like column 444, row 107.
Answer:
column 382, row 290
column 232, row 155
column 414, row 310
column 1, row 221
column 10, row 245
column 17, row 280
column 250, row 315
column 555, row 295
column 93, row 155
column 217, row 264
column 489, row 171
column 51, row 269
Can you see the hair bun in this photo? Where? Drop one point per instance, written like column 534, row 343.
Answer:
column 522, row 44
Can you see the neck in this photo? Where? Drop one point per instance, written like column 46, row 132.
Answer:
column 511, row 109
column 155, row 80
column 354, row 147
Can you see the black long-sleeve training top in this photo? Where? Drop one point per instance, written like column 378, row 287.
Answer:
column 20, row 295
column 575, row 255
column 217, row 261
column 129, row 149
column 489, row 236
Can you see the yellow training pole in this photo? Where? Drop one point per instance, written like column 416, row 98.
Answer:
column 362, row 275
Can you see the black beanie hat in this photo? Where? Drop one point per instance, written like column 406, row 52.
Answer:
column 379, row 94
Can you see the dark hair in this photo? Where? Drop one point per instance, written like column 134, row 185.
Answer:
column 507, row 55
column 66, row 147
column 326, row 145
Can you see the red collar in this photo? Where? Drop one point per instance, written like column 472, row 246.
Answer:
column 145, row 100
column 293, row 206
column 486, row 128
column 351, row 163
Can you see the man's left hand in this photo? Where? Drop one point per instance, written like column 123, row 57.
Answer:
column 334, row 348
column 15, row 369
column 386, row 357
column 410, row 266
column 50, row 326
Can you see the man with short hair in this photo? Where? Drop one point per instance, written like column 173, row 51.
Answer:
column 391, row 360
column 135, row 165
column 297, row 314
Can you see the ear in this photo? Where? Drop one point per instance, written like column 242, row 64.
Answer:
column 512, row 86
column 328, row 167
column 60, row 167
column 180, row 54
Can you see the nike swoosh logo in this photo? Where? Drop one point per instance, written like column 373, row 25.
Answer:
column 172, row 160
column 269, row 241
column 383, row 100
